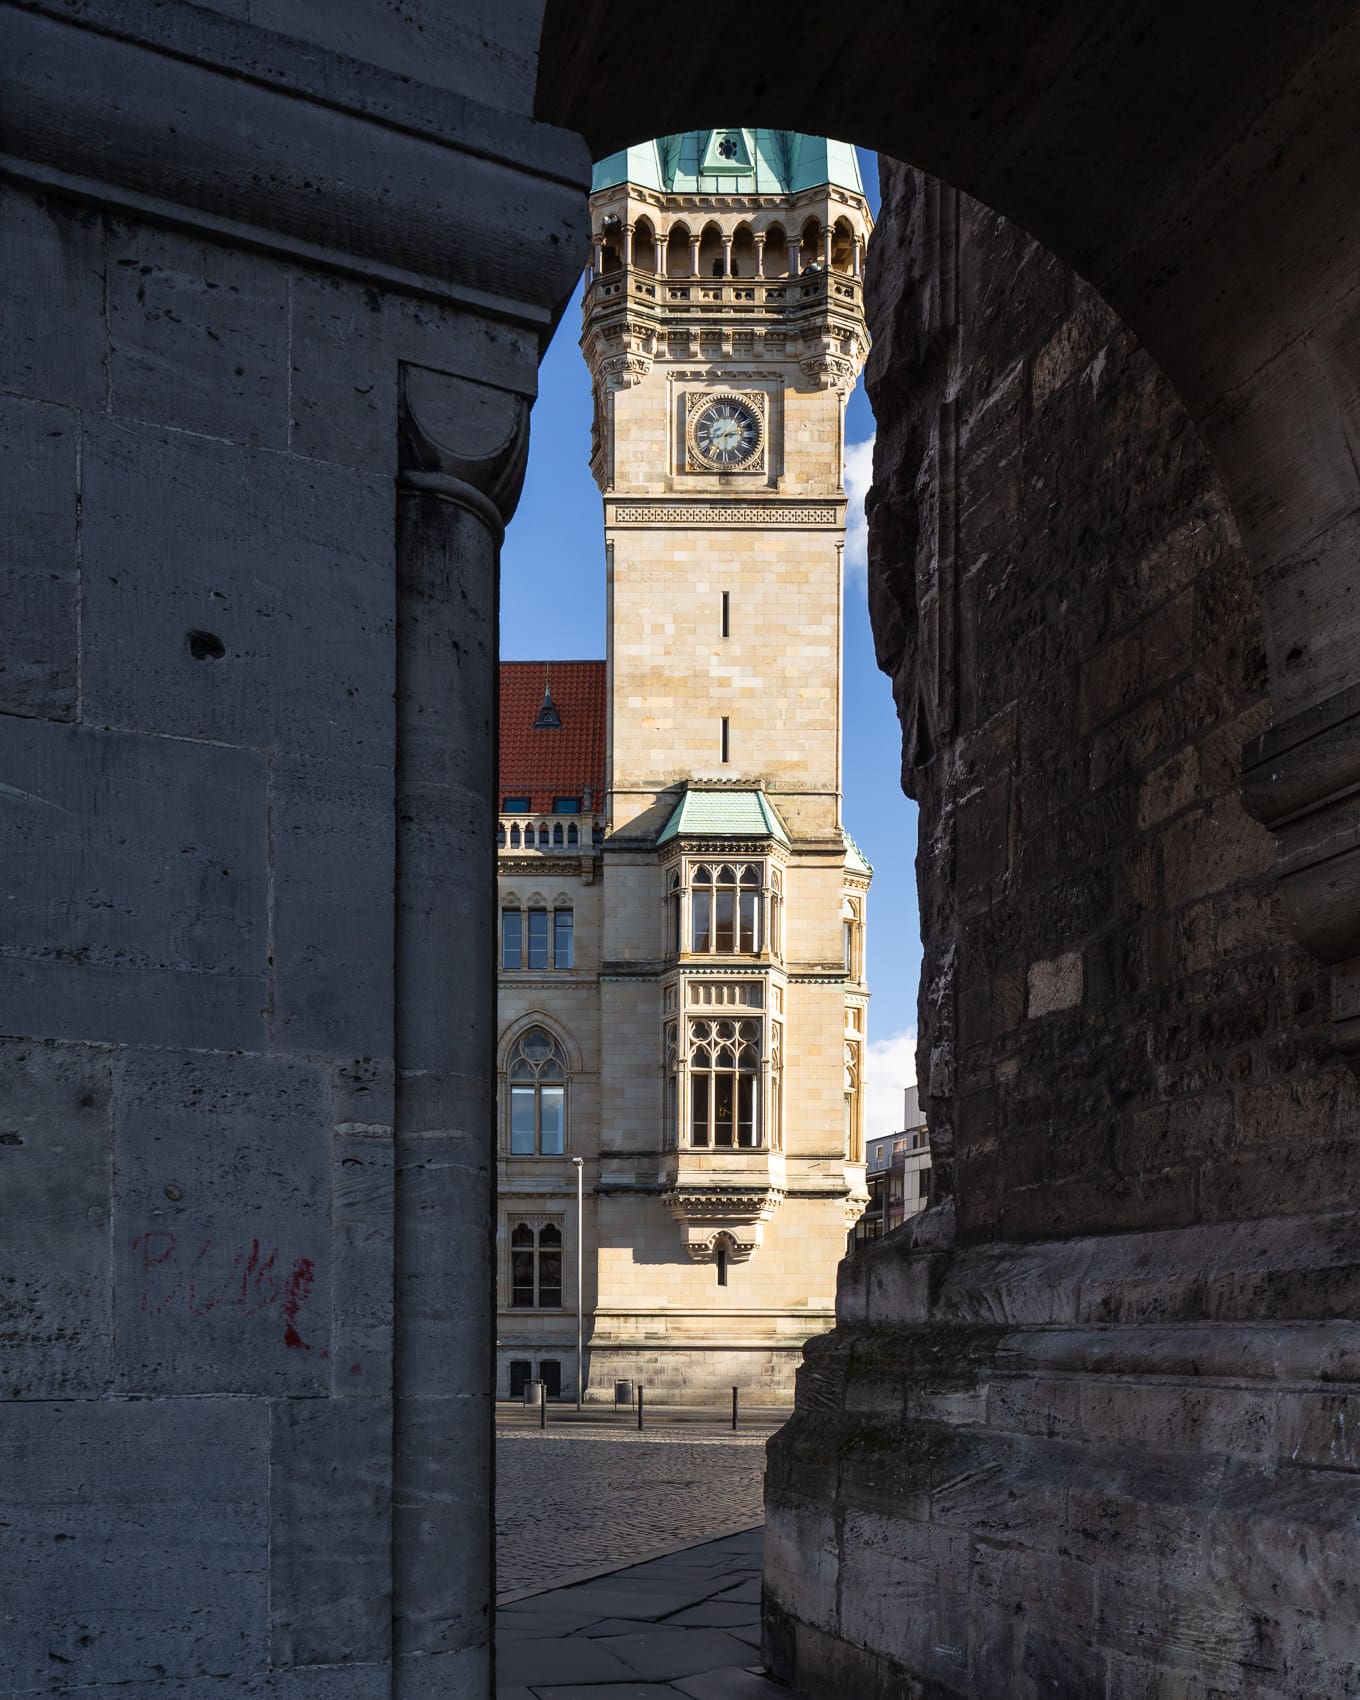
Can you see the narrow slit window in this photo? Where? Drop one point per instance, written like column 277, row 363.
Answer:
column 724, row 737
column 722, row 1264
column 726, row 614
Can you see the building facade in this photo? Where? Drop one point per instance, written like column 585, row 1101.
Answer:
column 682, row 993
column 897, row 1174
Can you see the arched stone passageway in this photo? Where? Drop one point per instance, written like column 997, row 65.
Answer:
column 1103, row 639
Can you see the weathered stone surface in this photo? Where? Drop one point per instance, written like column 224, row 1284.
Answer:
column 53, row 346
column 55, row 1282
column 330, row 1476
column 198, row 336
column 221, row 1226
column 134, row 1545
column 330, row 831
column 259, row 610
column 140, row 886
column 39, row 574
column 1128, row 1389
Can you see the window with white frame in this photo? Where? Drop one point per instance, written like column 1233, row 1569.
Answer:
column 537, row 937
column 537, row 1077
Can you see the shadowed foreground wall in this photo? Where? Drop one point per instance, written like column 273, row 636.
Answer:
column 268, row 338
column 1085, row 1429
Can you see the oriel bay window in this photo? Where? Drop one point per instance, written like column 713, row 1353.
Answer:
column 724, row 1084
column 724, row 909
column 535, row 1267
column 537, row 1075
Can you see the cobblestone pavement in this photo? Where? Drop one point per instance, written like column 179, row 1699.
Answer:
column 682, row 1626
column 577, row 1500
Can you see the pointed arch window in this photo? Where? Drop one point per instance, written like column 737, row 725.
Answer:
column 854, row 1099
column 724, row 1084
column 537, row 1077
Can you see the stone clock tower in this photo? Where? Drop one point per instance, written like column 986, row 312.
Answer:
column 724, row 328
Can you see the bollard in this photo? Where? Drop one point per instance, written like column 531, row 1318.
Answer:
column 734, row 1410
column 639, row 1404
column 543, row 1404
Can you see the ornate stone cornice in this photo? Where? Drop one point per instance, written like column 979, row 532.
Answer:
column 737, row 1214
column 172, row 113
column 754, row 512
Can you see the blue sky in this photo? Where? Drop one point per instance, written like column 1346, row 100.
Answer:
column 552, row 605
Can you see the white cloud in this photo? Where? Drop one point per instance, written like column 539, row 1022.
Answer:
column 889, row 1067
column 859, row 474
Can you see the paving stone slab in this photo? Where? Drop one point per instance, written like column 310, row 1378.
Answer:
column 609, row 1691
column 565, row 1658
column 663, row 1654
column 716, row 1614
column 735, row 1685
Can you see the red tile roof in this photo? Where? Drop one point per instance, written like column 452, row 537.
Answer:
column 546, row 764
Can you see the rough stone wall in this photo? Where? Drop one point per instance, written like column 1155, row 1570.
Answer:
column 1083, row 1428
column 1117, row 1030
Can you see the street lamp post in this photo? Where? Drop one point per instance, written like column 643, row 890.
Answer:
column 580, row 1261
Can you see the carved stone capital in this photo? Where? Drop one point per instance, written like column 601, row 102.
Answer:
column 622, row 371
column 829, row 371
column 464, row 434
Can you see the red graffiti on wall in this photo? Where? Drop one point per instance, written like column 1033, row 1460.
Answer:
column 255, row 1284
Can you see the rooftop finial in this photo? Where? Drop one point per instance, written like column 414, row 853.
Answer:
column 548, row 719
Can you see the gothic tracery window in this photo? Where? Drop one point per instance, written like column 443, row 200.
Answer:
column 724, row 1084
column 537, row 1075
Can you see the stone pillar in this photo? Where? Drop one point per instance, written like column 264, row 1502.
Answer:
column 795, row 253
column 727, row 256
column 759, row 240
column 857, row 263
column 826, row 247
column 628, row 245
column 694, row 256
column 596, row 254
column 463, row 448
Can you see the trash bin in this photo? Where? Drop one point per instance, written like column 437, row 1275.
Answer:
column 533, row 1393
column 623, row 1393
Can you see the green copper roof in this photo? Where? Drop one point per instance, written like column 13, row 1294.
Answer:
column 732, row 162
column 723, row 814
column 855, row 859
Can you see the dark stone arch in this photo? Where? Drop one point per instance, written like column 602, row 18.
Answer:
column 1194, row 173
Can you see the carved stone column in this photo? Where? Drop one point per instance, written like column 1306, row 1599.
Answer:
column 463, row 448
column 759, row 240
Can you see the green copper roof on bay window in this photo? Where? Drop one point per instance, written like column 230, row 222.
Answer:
column 723, row 814
column 732, row 162
column 856, row 861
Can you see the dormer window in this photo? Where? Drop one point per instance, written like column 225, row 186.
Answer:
column 566, row 805
column 515, row 805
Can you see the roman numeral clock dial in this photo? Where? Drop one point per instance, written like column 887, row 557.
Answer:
column 727, row 434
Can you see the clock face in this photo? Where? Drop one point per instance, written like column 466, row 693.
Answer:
column 727, row 433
